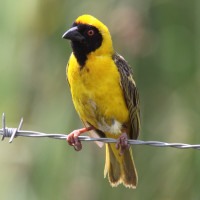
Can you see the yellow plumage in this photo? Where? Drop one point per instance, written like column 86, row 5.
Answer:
column 99, row 98
column 90, row 83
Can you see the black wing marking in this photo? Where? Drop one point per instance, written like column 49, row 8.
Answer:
column 130, row 93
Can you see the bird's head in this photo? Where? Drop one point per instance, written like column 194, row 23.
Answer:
column 88, row 35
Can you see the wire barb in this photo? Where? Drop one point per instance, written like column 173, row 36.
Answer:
column 14, row 132
column 4, row 127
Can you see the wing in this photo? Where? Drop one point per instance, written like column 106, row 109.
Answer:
column 130, row 94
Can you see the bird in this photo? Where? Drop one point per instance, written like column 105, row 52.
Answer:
column 105, row 96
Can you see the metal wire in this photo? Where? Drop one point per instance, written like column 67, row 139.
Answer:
column 15, row 132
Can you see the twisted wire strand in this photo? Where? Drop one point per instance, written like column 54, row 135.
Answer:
column 15, row 132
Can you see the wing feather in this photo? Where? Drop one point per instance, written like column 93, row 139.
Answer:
column 130, row 93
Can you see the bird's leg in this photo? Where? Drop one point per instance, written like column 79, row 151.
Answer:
column 122, row 142
column 72, row 138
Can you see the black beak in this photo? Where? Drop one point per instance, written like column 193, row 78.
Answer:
column 73, row 35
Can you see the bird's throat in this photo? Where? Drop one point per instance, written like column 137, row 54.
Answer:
column 79, row 52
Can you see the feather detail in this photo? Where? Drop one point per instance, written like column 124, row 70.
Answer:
column 130, row 94
column 120, row 169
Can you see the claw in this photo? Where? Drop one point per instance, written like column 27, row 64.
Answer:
column 78, row 147
column 122, row 142
column 73, row 140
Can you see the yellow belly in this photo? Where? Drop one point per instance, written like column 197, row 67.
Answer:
column 97, row 94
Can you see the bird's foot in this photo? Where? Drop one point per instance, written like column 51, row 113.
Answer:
column 122, row 142
column 73, row 140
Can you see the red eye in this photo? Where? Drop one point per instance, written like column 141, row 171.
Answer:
column 91, row 32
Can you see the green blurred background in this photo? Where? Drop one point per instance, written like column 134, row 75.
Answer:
column 161, row 41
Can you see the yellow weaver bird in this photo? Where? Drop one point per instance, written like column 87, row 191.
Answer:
column 105, row 96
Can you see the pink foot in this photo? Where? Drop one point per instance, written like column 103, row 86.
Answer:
column 122, row 142
column 72, row 138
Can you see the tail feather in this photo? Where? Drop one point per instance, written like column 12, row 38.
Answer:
column 120, row 169
column 112, row 167
column 129, row 170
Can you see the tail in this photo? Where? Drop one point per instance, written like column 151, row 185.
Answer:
column 120, row 169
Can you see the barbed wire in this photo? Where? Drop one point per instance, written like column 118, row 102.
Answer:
column 16, row 132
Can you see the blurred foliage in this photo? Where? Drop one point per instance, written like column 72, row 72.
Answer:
column 159, row 39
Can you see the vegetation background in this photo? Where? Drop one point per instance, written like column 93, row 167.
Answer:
column 161, row 41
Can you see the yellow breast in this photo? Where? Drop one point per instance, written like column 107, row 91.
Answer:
column 97, row 94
